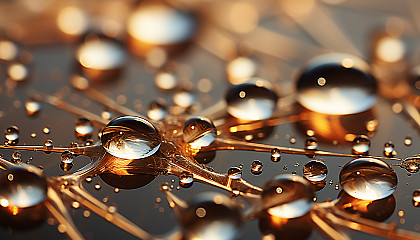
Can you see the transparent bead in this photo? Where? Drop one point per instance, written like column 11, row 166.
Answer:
column 315, row 171
column 130, row 137
column 253, row 100
column 199, row 132
column 368, row 179
column 83, row 129
column 336, row 84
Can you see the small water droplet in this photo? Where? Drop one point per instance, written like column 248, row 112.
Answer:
column 48, row 144
column 33, row 135
column 416, row 198
column 256, row 167
column 97, row 186
column 130, row 137
column 389, row 150
column 408, row 141
column 361, row 145
column 12, row 135
column 166, row 81
column 331, row 182
column 88, row 179
column 83, row 129
column 116, row 190
column 186, row 180
column 411, row 164
column 184, row 98
column 368, row 179
column 75, row 204
column 292, row 140
column 285, row 168
column 315, row 171
column 18, row 72
column 336, row 84
column 157, row 110
column 253, row 100
column 16, row 157
column 32, row 106
column 199, row 132
column 240, row 69
column 311, row 143
column 275, row 155
column 46, row 130
column 336, row 186
column 235, row 173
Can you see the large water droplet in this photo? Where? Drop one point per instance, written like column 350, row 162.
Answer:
column 337, row 84
column 11, row 135
column 361, row 145
column 368, row 179
column 199, row 132
column 83, row 129
column 157, row 110
column 287, row 196
column 253, row 100
column 211, row 216
column 100, row 57
column 158, row 25
column 315, row 171
column 32, row 107
column 22, row 186
column 130, row 137
column 256, row 167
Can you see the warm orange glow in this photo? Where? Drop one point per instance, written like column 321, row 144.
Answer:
column 278, row 221
column 14, row 210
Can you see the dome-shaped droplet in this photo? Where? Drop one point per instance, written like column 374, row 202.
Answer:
column 184, row 98
column 336, row 84
column 199, row 132
column 275, row 155
column 211, row 216
column 130, row 137
column 22, row 186
column 83, row 129
column 368, row 179
column 389, row 150
column 186, row 180
column 101, row 58
column 158, row 25
column 48, row 144
column 157, row 110
column 411, row 164
column 287, row 196
column 240, row 69
column 416, row 198
column 408, row 141
column 315, row 171
column 67, row 157
column 235, row 173
column 32, row 107
column 361, row 145
column 12, row 135
column 311, row 143
column 256, row 167
column 253, row 100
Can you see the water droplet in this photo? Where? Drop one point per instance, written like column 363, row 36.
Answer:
column 11, row 135
column 130, row 137
column 16, row 157
column 88, row 179
column 253, row 100
column 9, row 50
column 107, row 115
column 368, row 179
column 116, row 190
column 315, row 171
column 275, row 155
column 48, row 144
column 157, row 110
column 337, row 84
column 411, row 164
column 97, row 186
column 311, row 143
column 408, row 141
column 256, row 167
column 186, row 180
column 199, row 132
column 75, row 204
column 100, row 57
column 33, row 135
column 285, row 168
column 46, row 130
column 66, row 160
column 18, row 72
column 83, row 129
column 331, row 182
column 292, row 140
column 166, row 81
column 32, row 106
column 389, row 150
column 361, row 145
column 235, row 173
column 240, row 69
column 336, row 187
column 22, row 186
column 287, row 196
column 184, row 98
column 160, row 26
column 416, row 198
column 211, row 216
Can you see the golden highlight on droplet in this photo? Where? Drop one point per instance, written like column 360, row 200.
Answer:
column 321, row 81
column 347, row 63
